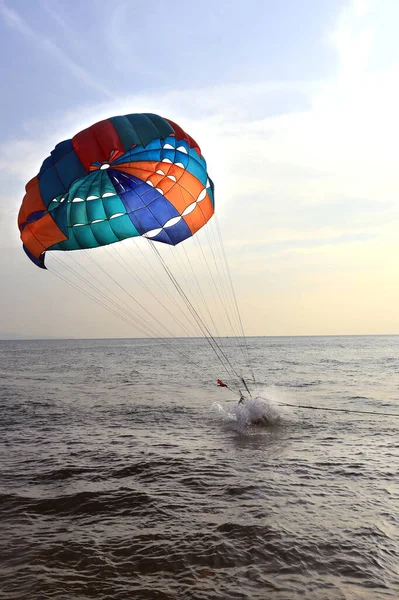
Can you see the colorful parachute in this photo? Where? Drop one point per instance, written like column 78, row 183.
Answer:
column 139, row 175
column 133, row 175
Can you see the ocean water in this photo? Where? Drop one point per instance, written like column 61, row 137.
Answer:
column 126, row 473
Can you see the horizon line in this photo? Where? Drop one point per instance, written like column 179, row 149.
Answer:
column 16, row 338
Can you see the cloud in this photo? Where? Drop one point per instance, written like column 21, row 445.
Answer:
column 13, row 19
column 306, row 187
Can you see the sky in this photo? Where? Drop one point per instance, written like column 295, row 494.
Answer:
column 294, row 105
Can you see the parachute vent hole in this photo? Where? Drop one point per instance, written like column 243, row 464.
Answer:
column 202, row 195
column 172, row 222
column 153, row 233
column 189, row 209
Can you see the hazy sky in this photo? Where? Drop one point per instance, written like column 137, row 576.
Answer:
column 295, row 106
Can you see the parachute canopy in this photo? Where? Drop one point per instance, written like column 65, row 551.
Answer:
column 127, row 176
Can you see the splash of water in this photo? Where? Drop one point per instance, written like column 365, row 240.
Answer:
column 260, row 411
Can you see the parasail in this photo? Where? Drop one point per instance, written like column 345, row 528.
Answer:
column 129, row 178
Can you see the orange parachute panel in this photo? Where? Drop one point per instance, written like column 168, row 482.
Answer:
column 41, row 234
column 31, row 203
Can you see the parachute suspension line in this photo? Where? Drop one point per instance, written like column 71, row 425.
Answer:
column 234, row 296
column 189, row 317
column 246, row 387
column 122, row 307
column 226, row 269
column 205, row 262
column 128, row 313
column 129, row 294
column 197, row 293
column 211, row 321
column 157, row 280
column 201, row 323
column 218, row 343
column 95, row 299
column 155, row 333
column 144, row 330
column 102, row 285
column 200, row 292
column 175, row 254
column 127, row 268
column 125, row 265
column 218, row 262
column 149, row 329
column 208, row 319
column 229, row 307
column 154, row 278
column 345, row 410
column 207, row 334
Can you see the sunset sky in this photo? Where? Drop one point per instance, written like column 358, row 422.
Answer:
column 295, row 107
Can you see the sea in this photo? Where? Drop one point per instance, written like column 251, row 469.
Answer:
column 127, row 473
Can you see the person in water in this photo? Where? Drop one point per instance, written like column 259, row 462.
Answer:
column 263, row 420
